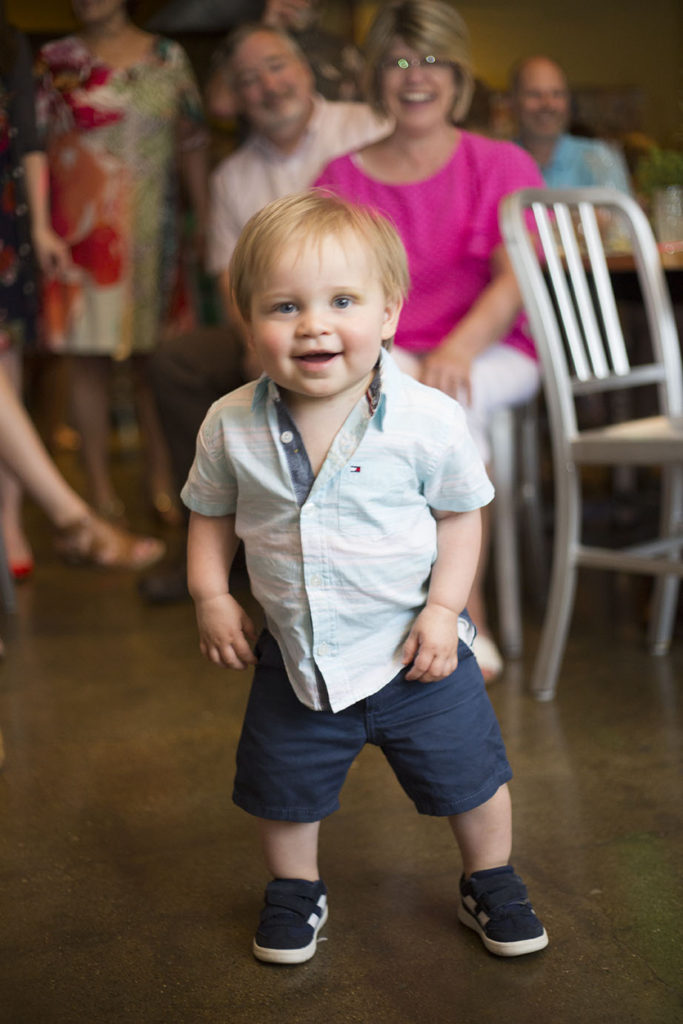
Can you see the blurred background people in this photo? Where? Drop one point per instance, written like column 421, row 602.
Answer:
column 121, row 116
column 460, row 328
column 26, row 237
column 335, row 61
column 541, row 106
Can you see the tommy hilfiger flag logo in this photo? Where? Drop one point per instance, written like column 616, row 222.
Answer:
column 354, row 469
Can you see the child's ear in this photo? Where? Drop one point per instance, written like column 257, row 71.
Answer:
column 392, row 312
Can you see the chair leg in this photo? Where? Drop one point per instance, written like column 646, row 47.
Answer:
column 532, row 505
column 665, row 593
column 562, row 583
column 504, row 529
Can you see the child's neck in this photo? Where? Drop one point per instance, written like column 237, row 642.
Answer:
column 320, row 420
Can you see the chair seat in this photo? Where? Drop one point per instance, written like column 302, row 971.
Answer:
column 651, row 440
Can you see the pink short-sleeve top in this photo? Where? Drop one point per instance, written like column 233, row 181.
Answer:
column 449, row 226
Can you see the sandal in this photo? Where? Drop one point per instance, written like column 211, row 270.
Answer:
column 488, row 657
column 94, row 541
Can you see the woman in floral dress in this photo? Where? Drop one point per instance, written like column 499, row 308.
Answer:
column 122, row 120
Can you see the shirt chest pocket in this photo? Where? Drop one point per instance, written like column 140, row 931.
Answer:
column 372, row 503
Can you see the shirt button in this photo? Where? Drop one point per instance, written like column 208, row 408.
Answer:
column 286, row 436
column 316, row 580
column 323, row 649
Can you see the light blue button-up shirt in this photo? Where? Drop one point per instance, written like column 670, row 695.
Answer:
column 582, row 163
column 342, row 572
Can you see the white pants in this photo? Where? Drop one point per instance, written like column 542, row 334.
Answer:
column 501, row 376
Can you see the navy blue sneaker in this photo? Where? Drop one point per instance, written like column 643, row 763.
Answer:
column 495, row 904
column 294, row 913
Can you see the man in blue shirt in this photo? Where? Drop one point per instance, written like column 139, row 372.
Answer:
column 540, row 101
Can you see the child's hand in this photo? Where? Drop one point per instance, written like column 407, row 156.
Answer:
column 225, row 632
column 432, row 644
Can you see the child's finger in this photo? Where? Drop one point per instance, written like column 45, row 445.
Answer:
column 249, row 630
column 410, row 649
column 419, row 667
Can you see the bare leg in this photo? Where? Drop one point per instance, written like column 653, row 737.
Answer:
column 291, row 848
column 84, row 536
column 484, row 834
column 18, row 549
column 22, row 450
column 162, row 489
column 89, row 385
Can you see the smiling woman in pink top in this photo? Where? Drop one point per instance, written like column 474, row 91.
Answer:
column 460, row 329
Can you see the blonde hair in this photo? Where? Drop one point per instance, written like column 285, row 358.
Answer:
column 430, row 27
column 306, row 217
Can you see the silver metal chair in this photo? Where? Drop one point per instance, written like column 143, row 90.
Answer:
column 565, row 283
column 516, row 514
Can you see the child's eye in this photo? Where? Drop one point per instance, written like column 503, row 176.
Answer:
column 342, row 302
column 285, row 307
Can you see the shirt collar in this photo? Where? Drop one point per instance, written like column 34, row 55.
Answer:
column 390, row 383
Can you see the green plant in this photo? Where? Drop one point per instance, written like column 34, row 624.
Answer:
column 658, row 169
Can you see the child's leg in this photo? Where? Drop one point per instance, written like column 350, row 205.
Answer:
column 296, row 900
column 493, row 899
column 484, row 834
column 291, row 848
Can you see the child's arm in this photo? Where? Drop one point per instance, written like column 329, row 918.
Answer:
column 432, row 644
column 225, row 629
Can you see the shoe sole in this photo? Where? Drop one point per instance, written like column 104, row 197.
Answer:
column 290, row 956
column 519, row 948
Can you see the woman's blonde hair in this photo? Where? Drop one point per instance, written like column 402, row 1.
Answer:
column 430, row 27
column 309, row 217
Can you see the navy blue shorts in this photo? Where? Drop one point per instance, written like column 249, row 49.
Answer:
column 441, row 739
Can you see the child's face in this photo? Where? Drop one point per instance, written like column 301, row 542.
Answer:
column 318, row 322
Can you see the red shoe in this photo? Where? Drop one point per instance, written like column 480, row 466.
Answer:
column 22, row 570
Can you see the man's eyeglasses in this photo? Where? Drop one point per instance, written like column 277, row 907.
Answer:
column 403, row 63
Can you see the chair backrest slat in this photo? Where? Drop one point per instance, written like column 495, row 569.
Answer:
column 577, row 274
column 603, row 285
column 570, row 323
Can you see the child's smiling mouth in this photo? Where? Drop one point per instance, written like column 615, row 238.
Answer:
column 316, row 357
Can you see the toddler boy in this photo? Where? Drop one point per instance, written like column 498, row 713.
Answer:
column 356, row 491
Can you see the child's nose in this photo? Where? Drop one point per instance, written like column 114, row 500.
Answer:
column 311, row 323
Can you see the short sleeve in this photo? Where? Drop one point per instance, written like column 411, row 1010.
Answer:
column 607, row 167
column 457, row 480
column 510, row 169
column 193, row 132
column 211, row 486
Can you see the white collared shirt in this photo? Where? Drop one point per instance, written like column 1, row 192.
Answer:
column 259, row 172
column 341, row 577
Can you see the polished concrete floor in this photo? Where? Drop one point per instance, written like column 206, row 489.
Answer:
column 130, row 885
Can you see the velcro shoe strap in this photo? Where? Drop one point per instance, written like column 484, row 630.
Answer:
column 508, row 889
column 290, row 901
